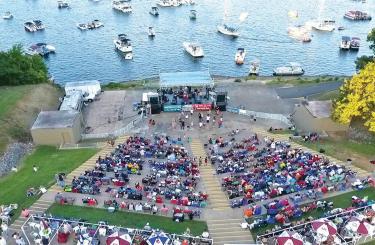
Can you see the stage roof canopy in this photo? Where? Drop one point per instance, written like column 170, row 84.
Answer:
column 193, row 79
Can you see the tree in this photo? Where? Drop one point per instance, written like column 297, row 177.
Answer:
column 16, row 68
column 361, row 62
column 357, row 98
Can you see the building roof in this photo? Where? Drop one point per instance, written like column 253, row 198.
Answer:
column 55, row 119
column 319, row 109
column 73, row 101
column 194, row 79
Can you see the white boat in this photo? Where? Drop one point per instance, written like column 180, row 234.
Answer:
column 7, row 15
column 240, row 56
column 62, row 4
column 164, row 3
column 154, row 11
column 324, row 25
column 151, row 32
column 345, row 43
column 193, row 14
column 299, row 33
column 355, row 43
column 254, row 68
column 30, row 26
column 82, row 26
column 357, row 15
column 228, row 30
column 39, row 25
column 41, row 49
column 194, row 49
column 122, row 6
column 128, row 56
column 122, row 43
column 91, row 25
column 292, row 69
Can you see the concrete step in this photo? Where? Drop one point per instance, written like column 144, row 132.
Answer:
column 233, row 238
column 224, row 221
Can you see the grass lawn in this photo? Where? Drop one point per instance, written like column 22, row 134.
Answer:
column 50, row 161
column 304, row 80
column 128, row 219
column 330, row 95
column 9, row 97
column 343, row 149
column 339, row 201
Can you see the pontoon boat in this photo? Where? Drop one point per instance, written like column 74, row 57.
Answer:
column 357, row 15
column 39, row 25
column 30, row 26
column 122, row 43
column 62, row 4
column 194, row 49
column 240, row 56
column 122, row 6
column 324, row 25
column 193, row 14
column 164, row 3
column 151, row 32
column 299, row 33
column 293, row 69
column 42, row 49
column 355, row 43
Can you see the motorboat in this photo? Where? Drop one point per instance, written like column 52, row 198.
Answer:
column 39, row 25
column 355, row 43
column 164, row 3
column 292, row 69
column 90, row 26
column 62, row 4
column 357, row 15
column 176, row 3
column 128, row 56
column 30, row 26
column 228, row 30
column 7, row 15
column 240, row 56
column 41, row 49
column 254, row 68
column 324, row 25
column 345, row 43
column 154, row 11
column 193, row 14
column 123, row 6
column 299, row 33
column 340, row 28
column 151, row 32
column 122, row 43
column 194, row 49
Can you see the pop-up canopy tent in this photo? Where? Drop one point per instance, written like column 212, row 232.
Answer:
column 192, row 79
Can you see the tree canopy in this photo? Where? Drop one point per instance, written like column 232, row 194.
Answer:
column 16, row 68
column 357, row 98
column 364, row 59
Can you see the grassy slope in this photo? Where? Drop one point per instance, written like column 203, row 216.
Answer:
column 127, row 219
column 304, row 80
column 340, row 201
column 50, row 161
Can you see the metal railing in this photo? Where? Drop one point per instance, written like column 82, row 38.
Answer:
column 256, row 114
column 80, row 146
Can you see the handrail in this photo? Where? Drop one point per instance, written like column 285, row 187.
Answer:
column 23, row 230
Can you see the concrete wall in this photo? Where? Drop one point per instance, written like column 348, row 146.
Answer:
column 305, row 122
column 58, row 136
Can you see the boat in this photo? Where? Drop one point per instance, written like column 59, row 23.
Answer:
column 154, row 11
column 240, row 56
column 357, row 15
column 292, row 69
column 122, row 43
column 164, row 3
column 355, row 43
column 41, row 49
column 128, row 56
column 299, row 33
column 122, row 5
column 194, row 49
column 193, row 14
column 7, row 15
column 30, row 26
column 345, row 43
column 340, row 28
column 324, row 25
column 39, row 25
column 151, row 32
column 176, row 3
column 254, row 68
column 62, row 4
column 90, row 26
column 228, row 30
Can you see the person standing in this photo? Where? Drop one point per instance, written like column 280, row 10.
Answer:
column 208, row 118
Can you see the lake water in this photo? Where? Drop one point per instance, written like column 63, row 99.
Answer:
column 82, row 55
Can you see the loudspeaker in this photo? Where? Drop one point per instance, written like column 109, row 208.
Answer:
column 155, row 109
column 220, row 98
column 154, row 100
column 222, row 107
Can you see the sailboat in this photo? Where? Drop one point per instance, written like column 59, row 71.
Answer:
column 321, row 24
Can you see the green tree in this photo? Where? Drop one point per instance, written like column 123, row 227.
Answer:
column 16, row 68
column 361, row 62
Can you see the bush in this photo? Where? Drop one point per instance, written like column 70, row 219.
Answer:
column 17, row 68
column 237, row 80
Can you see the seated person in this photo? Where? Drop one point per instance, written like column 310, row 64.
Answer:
column 25, row 213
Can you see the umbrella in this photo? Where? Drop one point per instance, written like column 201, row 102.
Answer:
column 324, row 227
column 158, row 238
column 289, row 238
column 362, row 227
column 116, row 239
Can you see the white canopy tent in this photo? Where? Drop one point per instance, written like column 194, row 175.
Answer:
column 192, row 79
